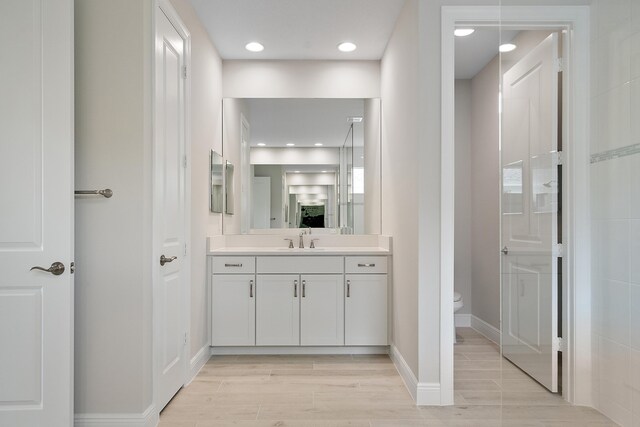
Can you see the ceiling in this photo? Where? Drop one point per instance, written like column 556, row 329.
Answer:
column 304, row 122
column 299, row 29
column 474, row 52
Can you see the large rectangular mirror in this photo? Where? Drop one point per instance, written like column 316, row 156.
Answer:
column 229, row 205
column 304, row 163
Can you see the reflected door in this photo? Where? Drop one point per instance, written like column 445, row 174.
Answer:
column 529, row 210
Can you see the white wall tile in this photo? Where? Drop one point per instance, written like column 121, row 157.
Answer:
column 612, row 56
column 613, row 14
column 634, row 101
column 613, row 115
column 634, row 170
column 614, row 259
column 615, row 311
column 610, row 186
column 634, row 254
column 615, row 390
column 634, row 52
column 634, row 316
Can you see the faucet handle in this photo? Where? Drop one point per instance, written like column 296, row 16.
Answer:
column 290, row 243
column 313, row 245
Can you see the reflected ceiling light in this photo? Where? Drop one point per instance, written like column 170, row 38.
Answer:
column 507, row 47
column 254, row 47
column 347, row 47
column 354, row 119
column 318, row 144
column 291, row 144
column 463, row 32
column 296, row 171
column 261, row 144
column 324, row 171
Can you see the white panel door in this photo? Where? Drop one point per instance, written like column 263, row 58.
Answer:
column 169, row 205
column 322, row 310
column 36, row 213
column 261, row 202
column 530, row 221
column 278, row 309
column 365, row 309
column 233, row 310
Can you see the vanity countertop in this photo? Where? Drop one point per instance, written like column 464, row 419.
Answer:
column 271, row 251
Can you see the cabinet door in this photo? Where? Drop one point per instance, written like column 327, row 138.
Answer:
column 278, row 310
column 322, row 310
column 366, row 309
column 233, row 310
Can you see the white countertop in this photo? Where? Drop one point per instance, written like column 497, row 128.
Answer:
column 271, row 251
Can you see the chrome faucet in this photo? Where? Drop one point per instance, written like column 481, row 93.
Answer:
column 301, row 244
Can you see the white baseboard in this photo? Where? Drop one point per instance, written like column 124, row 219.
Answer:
column 197, row 362
column 219, row 351
column 424, row 394
column 410, row 380
column 462, row 320
column 489, row 331
column 148, row 418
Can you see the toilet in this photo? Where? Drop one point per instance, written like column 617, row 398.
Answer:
column 457, row 305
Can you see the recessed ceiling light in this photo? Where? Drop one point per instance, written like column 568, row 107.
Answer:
column 261, row 144
column 318, row 144
column 507, row 47
column 291, row 144
column 254, row 47
column 463, row 32
column 347, row 47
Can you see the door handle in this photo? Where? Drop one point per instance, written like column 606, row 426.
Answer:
column 295, row 289
column 348, row 288
column 57, row 268
column 304, row 288
column 164, row 259
column 505, row 250
column 250, row 288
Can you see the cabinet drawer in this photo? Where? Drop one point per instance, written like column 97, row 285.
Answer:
column 233, row 264
column 299, row 264
column 366, row 264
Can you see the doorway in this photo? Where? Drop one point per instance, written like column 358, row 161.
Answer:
column 574, row 20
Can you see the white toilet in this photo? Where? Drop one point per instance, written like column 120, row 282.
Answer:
column 457, row 305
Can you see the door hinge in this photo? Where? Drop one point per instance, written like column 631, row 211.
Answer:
column 559, row 158
column 558, row 65
column 185, row 338
column 184, row 162
column 558, row 344
column 185, row 249
column 558, row 250
column 72, row 267
column 184, row 71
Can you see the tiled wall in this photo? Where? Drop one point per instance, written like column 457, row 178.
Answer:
column 615, row 194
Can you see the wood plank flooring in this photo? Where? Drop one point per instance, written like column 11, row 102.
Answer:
column 354, row 391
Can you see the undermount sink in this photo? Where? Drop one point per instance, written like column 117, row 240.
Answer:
column 300, row 249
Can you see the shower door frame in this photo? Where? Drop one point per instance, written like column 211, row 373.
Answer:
column 576, row 360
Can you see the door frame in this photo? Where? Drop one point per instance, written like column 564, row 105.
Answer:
column 166, row 8
column 576, row 361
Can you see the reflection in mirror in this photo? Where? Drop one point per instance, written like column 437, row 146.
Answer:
column 512, row 199
column 229, row 194
column 306, row 164
column 217, row 180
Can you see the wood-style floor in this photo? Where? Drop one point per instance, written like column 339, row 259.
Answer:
column 323, row 391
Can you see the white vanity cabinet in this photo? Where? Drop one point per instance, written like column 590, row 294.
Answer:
column 365, row 310
column 233, row 301
column 278, row 309
column 322, row 309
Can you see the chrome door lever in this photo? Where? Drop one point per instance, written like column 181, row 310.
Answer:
column 164, row 260
column 57, row 268
column 505, row 250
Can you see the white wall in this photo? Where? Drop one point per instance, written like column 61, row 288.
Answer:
column 206, row 123
column 462, row 262
column 113, row 321
column 372, row 166
column 615, row 212
column 399, row 78
column 301, row 79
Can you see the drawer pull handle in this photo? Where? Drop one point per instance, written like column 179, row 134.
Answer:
column 233, row 265
column 366, row 265
column 295, row 289
column 250, row 288
column 348, row 288
column 304, row 289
